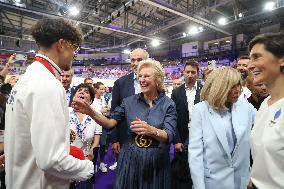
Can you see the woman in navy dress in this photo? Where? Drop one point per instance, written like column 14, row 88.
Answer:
column 144, row 161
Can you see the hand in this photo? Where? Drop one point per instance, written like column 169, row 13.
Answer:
column 249, row 186
column 11, row 60
column 115, row 147
column 105, row 110
column 91, row 155
column 142, row 128
column 82, row 106
column 178, row 147
column 2, row 162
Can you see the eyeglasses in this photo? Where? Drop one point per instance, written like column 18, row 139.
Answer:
column 137, row 59
column 75, row 47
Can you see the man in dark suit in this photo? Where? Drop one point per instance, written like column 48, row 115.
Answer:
column 185, row 96
column 124, row 87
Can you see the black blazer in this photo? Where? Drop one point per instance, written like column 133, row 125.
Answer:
column 123, row 87
column 180, row 99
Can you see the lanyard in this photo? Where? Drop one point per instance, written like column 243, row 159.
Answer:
column 80, row 127
column 45, row 63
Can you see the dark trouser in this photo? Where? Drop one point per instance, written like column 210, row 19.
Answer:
column 104, row 142
column 2, row 180
column 88, row 184
column 95, row 153
column 181, row 178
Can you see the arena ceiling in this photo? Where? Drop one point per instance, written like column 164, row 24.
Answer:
column 113, row 24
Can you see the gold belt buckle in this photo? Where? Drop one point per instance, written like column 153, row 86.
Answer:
column 142, row 141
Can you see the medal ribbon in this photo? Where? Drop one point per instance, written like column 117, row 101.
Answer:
column 45, row 63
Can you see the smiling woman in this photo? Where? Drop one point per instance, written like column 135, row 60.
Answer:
column 151, row 78
column 144, row 160
column 267, row 58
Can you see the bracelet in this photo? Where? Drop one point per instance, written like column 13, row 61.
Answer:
column 157, row 133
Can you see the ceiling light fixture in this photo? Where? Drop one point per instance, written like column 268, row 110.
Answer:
column 73, row 11
column 269, row 6
column 155, row 42
column 222, row 21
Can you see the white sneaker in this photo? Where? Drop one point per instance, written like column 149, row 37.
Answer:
column 113, row 167
column 103, row 167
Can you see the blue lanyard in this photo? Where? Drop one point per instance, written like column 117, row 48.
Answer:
column 80, row 126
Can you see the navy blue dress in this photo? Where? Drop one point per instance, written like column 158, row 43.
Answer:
column 140, row 167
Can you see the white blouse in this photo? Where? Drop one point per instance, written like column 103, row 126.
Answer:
column 98, row 104
column 85, row 131
column 268, row 146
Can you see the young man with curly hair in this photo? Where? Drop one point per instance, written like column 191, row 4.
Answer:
column 37, row 122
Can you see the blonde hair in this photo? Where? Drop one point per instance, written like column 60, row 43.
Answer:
column 158, row 71
column 145, row 56
column 217, row 86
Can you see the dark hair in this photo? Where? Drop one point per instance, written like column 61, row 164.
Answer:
column 49, row 30
column 2, row 78
column 88, row 78
column 97, row 85
column 90, row 89
column 244, row 57
column 273, row 42
column 6, row 88
column 192, row 63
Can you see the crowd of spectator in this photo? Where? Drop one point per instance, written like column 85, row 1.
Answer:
column 211, row 118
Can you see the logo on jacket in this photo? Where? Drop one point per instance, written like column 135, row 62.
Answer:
column 276, row 116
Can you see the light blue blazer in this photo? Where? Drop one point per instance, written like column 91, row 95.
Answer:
column 212, row 165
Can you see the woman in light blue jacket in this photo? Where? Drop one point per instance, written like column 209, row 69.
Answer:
column 219, row 148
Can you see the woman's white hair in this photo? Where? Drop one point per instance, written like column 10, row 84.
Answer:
column 158, row 71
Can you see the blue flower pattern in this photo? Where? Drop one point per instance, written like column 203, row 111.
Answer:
column 80, row 127
column 11, row 99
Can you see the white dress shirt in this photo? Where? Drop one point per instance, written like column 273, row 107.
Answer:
column 137, row 87
column 190, row 95
column 268, row 146
column 37, row 135
column 246, row 93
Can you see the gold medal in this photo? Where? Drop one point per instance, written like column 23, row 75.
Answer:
column 72, row 136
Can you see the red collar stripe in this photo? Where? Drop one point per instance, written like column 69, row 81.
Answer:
column 45, row 63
